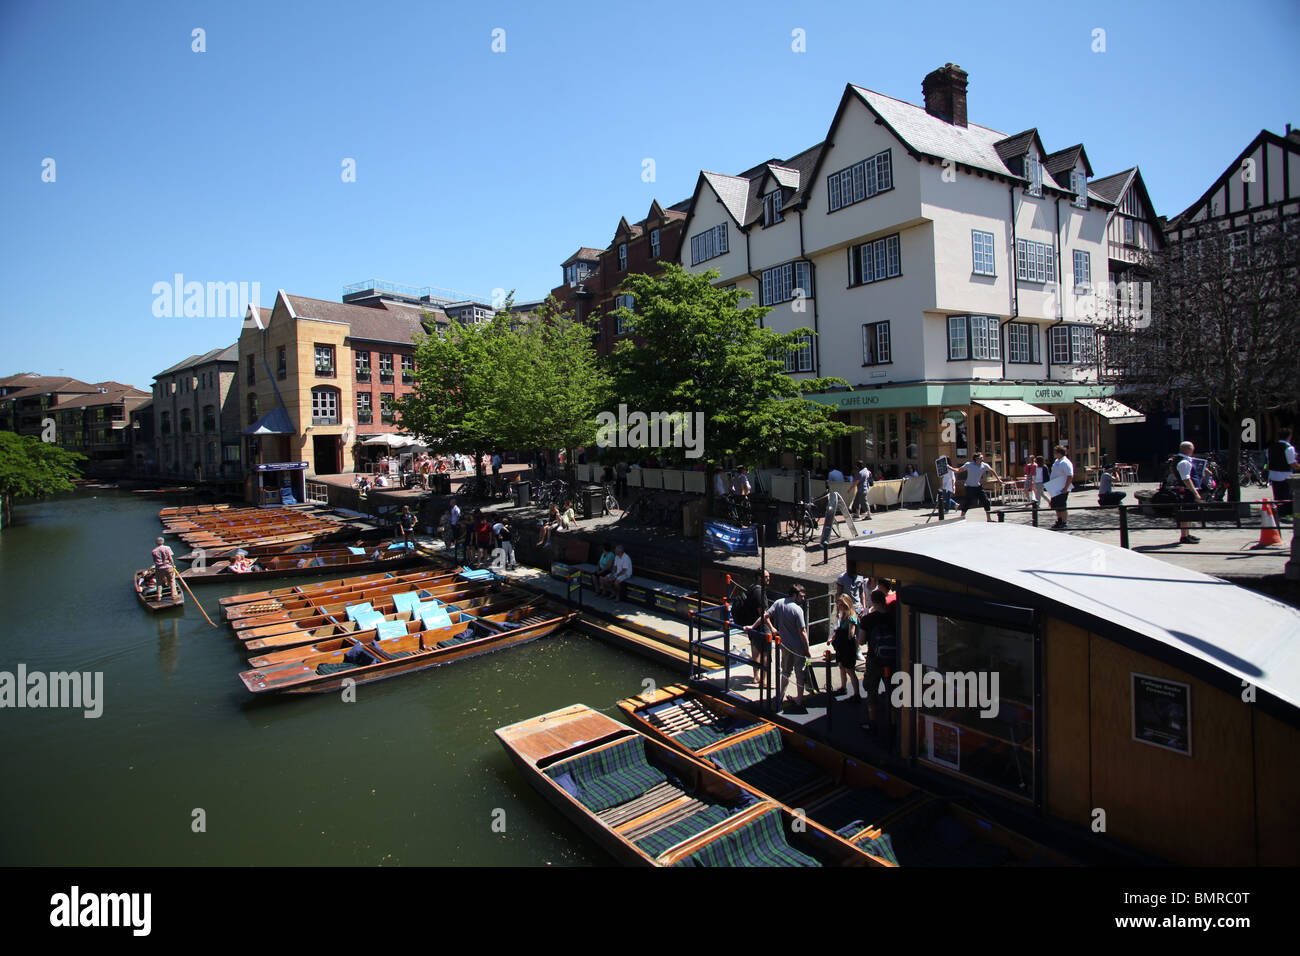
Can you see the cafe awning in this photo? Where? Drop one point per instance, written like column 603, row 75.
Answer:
column 1114, row 412
column 1017, row 412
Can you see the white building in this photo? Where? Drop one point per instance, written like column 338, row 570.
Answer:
column 951, row 273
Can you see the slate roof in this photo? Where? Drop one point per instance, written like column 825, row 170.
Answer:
column 1111, row 188
column 365, row 322
column 228, row 354
column 1064, row 160
column 110, row 397
column 586, row 252
column 49, row 384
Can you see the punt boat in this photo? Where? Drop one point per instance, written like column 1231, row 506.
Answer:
column 309, row 562
column 329, row 588
column 648, row 804
column 869, row 808
column 363, row 661
column 485, row 604
column 153, row 599
column 271, row 612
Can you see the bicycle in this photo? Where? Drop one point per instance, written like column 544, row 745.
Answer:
column 802, row 524
column 1249, row 472
column 611, row 503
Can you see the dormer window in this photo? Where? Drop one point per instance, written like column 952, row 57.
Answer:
column 1034, row 173
column 772, row 208
column 1079, row 186
column 654, row 243
column 622, row 256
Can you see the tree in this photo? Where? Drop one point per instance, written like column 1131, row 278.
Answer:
column 699, row 351
column 1224, row 312
column 31, row 468
column 493, row 385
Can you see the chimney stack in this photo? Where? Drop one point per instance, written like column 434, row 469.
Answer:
column 945, row 94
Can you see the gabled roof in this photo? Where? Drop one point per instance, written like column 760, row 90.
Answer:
column 1111, row 188
column 370, row 323
column 732, row 190
column 586, row 252
column 228, row 354
column 1064, row 160
column 1013, row 147
column 1291, row 144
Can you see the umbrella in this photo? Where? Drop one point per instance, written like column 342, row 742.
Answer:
column 392, row 441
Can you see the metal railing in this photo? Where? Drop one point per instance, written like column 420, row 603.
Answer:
column 1207, row 515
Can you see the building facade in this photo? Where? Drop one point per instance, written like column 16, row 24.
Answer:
column 195, row 413
column 948, row 272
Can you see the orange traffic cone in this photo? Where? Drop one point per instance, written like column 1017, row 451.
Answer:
column 1269, row 532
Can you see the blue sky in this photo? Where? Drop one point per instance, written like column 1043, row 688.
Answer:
column 478, row 170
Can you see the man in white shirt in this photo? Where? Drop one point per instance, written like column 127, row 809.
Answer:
column 622, row 571
column 1058, row 487
column 740, row 483
column 1187, row 490
column 948, row 490
column 975, row 470
column 1281, row 466
column 720, row 484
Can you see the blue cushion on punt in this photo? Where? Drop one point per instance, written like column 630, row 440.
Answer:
column 392, row 629
column 355, row 609
column 760, row 842
column 611, row 776
column 482, row 574
column 419, row 609
column 368, row 619
column 435, row 618
column 399, row 546
column 356, row 550
column 407, row 601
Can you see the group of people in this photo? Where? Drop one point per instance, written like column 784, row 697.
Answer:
column 1041, row 481
column 477, row 540
column 738, row 484
column 864, row 631
column 612, row 571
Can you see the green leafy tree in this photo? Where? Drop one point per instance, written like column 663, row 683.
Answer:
column 31, row 468
column 700, row 351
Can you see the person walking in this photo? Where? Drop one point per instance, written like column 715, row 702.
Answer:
column 1179, row 481
column 880, row 641
column 861, row 485
column 1058, row 487
column 786, row 617
column 748, row 613
column 975, row 470
column 1282, row 465
column 164, row 568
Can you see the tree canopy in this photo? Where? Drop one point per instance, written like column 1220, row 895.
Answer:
column 31, row 468
column 699, row 350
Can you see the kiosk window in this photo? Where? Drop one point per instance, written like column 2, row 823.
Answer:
column 975, row 716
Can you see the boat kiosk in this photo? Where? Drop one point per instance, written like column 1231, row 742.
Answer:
column 1136, row 701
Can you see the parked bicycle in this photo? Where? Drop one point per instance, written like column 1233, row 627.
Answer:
column 802, row 524
column 611, row 502
column 1249, row 472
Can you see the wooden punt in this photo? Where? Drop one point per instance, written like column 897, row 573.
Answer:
column 259, row 614
column 339, row 584
column 418, row 650
column 648, row 804
column 384, row 602
column 305, row 564
column 869, row 808
column 365, row 635
column 484, row 605
column 152, row 599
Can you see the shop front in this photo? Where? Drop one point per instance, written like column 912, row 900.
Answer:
column 909, row 426
column 279, row 483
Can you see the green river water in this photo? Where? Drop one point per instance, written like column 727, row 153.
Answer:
column 409, row 774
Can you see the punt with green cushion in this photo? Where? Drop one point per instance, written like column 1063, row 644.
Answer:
column 760, row 842
column 607, row 777
column 660, row 840
column 764, row 763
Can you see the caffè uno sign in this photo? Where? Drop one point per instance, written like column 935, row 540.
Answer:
column 859, row 401
column 1049, row 394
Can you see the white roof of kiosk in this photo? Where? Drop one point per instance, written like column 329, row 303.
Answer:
column 1207, row 622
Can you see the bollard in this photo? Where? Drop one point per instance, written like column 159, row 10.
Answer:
column 1123, row 526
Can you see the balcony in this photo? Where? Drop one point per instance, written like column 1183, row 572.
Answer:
column 363, row 375
column 365, row 417
column 385, row 378
column 324, row 419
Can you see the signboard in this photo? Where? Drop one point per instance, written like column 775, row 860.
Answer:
column 941, row 467
column 724, row 537
column 1162, row 713
column 282, row 466
column 945, row 743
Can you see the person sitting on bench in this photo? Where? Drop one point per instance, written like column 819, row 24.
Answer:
column 1107, row 497
column 622, row 571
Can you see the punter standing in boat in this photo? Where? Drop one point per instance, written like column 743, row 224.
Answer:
column 407, row 522
column 164, row 568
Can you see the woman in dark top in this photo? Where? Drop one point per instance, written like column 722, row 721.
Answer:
column 845, row 642
column 881, row 644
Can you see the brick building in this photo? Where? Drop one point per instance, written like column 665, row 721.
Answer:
column 195, row 413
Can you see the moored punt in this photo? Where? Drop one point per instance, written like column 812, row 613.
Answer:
column 368, row 661
column 304, row 563
column 869, row 808
column 411, row 624
column 287, row 608
column 383, row 602
column 328, row 588
column 486, row 606
column 647, row 804
column 152, row 598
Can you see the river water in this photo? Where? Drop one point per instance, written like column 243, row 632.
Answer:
column 409, row 774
